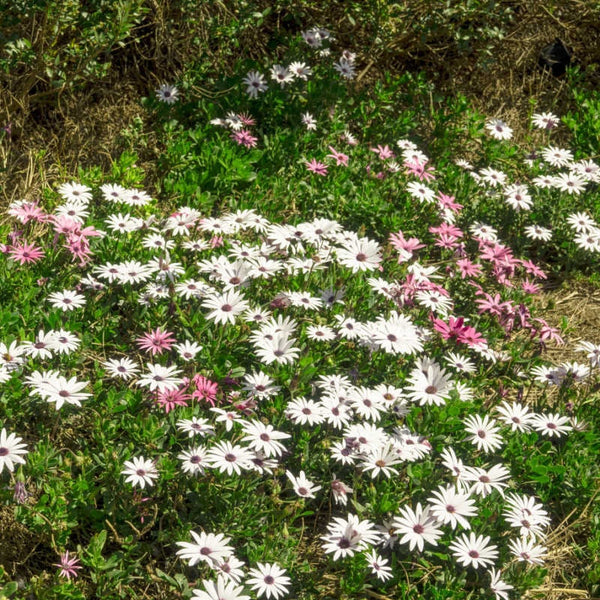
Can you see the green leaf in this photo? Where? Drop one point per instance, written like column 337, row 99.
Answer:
column 97, row 544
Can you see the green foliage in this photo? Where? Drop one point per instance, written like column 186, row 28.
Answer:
column 584, row 121
column 48, row 46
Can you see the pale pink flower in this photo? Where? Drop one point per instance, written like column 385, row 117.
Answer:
column 205, row 389
column 244, row 138
column 316, row 167
column 25, row 253
column 156, row 341
column 69, row 565
column 339, row 157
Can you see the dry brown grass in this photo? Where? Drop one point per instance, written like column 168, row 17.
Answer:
column 561, row 560
column 22, row 543
column 81, row 132
column 579, row 303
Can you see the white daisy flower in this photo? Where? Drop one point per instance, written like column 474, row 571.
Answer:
column 140, row 471
column 11, row 451
column 66, row 300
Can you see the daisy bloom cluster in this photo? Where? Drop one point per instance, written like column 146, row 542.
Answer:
column 310, row 364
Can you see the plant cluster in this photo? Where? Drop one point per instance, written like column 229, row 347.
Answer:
column 255, row 401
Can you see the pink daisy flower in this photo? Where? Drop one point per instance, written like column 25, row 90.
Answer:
column 316, row 167
column 246, row 119
column 453, row 328
column 171, row 398
column 205, row 389
column 69, row 565
column 156, row 341
column 448, row 202
column 339, row 157
column 26, row 253
column 244, row 138
column 420, row 169
column 384, row 152
column 468, row 268
column 471, row 337
column 29, row 211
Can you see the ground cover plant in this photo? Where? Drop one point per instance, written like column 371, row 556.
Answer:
column 319, row 369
